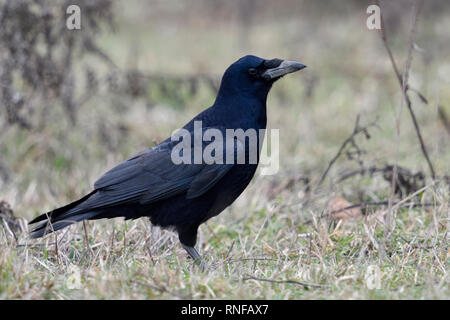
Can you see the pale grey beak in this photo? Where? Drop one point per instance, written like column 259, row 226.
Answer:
column 284, row 68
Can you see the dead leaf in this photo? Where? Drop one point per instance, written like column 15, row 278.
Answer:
column 336, row 206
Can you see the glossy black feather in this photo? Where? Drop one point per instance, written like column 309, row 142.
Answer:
column 181, row 196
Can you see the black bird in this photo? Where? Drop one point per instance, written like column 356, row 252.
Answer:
column 183, row 196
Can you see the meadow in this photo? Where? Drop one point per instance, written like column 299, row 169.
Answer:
column 285, row 237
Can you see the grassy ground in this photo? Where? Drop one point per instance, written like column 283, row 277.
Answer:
column 274, row 230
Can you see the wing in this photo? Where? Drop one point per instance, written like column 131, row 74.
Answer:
column 206, row 179
column 152, row 175
column 211, row 174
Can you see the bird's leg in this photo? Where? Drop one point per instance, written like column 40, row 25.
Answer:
column 187, row 234
column 193, row 253
column 195, row 256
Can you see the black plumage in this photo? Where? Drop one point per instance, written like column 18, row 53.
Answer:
column 183, row 196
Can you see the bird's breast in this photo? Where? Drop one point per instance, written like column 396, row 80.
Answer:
column 231, row 187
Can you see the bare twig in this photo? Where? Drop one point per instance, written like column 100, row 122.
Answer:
column 406, row 181
column 161, row 289
column 250, row 259
column 229, row 250
column 149, row 251
column 34, row 245
column 403, row 81
column 86, row 238
column 378, row 203
column 56, row 247
column 401, row 204
column 357, row 130
column 301, row 283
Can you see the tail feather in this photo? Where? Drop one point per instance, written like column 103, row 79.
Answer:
column 84, row 209
column 46, row 227
column 60, row 211
column 62, row 217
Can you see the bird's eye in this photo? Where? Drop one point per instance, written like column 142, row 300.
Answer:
column 252, row 71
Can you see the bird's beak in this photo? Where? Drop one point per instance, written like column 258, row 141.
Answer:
column 284, row 68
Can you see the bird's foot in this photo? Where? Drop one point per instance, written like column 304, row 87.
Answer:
column 198, row 261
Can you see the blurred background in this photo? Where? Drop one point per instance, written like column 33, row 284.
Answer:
column 75, row 102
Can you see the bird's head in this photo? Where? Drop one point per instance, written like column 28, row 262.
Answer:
column 255, row 76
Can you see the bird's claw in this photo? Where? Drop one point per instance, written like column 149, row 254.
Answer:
column 198, row 261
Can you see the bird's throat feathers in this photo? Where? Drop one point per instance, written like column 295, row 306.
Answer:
column 248, row 112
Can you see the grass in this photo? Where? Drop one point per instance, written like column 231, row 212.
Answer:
column 273, row 231
column 132, row 260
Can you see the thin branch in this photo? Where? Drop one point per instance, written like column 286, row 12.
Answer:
column 229, row 250
column 86, row 238
column 249, row 259
column 357, row 130
column 374, row 169
column 301, row 283
column 161, row 289
column 400, row 204
column 149, row 251
column 403, row 84
column 379, row 203
column 56, row 247
column 403, row 80
column 406, row 181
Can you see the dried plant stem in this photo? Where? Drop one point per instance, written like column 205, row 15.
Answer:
column 86, row 238
column 301, row 283
column 161, row 289
column 379, row 203
column 444, row 118
column 357, row 130
column 403, row 81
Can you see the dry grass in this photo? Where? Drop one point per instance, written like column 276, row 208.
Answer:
column 133, row 260
column 274, row 230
